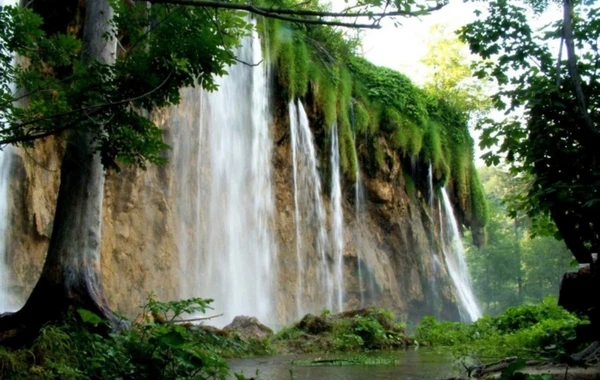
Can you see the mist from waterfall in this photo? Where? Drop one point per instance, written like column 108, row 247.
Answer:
column 454, row 255
column 309, row 212
column 5, row 158
column 228, row 250
column 5, row 304
column 435, row 262
column 337, row 220
column 359, row 200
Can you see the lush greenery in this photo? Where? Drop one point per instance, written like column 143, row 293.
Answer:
column 551, row 133
column 65, row 90
column 380, row 113
column 351, row 331
column 162, row 344
column 530, row 331
column 515, row 266
column 157, row 346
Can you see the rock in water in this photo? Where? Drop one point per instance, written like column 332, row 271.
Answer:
column 248, row 327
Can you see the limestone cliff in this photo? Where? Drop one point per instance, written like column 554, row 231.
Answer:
column 395, row 233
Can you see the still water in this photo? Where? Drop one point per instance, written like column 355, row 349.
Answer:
column 412, row 364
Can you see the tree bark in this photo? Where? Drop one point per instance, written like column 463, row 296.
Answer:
column 71, row 276
column 588, row 127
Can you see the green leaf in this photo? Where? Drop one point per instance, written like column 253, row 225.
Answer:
column 90, row 317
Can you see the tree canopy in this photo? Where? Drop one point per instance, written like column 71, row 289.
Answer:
column 552, row 104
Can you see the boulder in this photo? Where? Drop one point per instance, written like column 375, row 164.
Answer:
column 248, row 327
column 314, row 324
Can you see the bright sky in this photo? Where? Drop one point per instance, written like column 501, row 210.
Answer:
column 403, row 47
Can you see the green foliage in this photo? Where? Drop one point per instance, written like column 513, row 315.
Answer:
column 362, row 119
column 529, row 331
column 359, row 330
column 155, row 347
column 545, row 135
column 66, row 91
column 514, row 266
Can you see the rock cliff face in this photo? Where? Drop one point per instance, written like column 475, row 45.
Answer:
column 394, row 233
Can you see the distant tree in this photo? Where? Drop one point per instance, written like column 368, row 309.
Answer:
column 515, row 266
column 449, row 72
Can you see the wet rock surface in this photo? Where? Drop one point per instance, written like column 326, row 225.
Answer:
column 248, row 327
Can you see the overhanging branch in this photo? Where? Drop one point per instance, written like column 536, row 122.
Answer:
column 296, row 15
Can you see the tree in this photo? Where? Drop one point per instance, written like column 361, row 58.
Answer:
column 90, row 71
column 515, row 266
column 552, row 129
column 450, row 74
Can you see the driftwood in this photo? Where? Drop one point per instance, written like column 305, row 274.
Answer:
column 478, row 371
column 196, row 319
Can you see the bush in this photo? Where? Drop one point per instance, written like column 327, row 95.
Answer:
column 529, row 331
column 157, row 347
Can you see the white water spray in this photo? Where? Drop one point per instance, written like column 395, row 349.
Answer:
column 309, row 210
column 231, row 243
column 5, row 158
column 5, row 304
column 337, row 219
column 454, row 255
column 358, row 202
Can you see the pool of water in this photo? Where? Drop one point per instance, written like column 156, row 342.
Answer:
column 411, row 364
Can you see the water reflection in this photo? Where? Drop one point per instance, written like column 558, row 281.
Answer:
column 413, row 364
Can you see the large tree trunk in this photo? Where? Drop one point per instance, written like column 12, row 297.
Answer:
column 71, row 274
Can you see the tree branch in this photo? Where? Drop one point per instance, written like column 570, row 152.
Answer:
column 573, row 70
column 92, row 109
column 286, row 13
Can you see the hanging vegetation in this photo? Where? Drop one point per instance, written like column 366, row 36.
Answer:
column 375, row 106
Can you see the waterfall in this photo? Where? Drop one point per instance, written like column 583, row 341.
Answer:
column 454, row 255
column 309, row 211
column 5, row 305
column 5, row 158
column 359, row 195
column 229, row 255
column 337, row 218
column 435, row 261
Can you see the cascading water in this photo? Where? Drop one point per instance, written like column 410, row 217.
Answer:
column 435, row 262
column 5, row 158
column 309, row 211
column 5, row 304
column 454, row 255
column 337, row 217
column 358, row 202
column 229, row 253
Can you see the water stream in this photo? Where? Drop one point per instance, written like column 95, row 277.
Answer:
column 337, row 220
column 359, row 200
column 5, row 158
column 454, row 255
column 309, row 212
column 226, row 195
column 5, row 304
column 435, row 262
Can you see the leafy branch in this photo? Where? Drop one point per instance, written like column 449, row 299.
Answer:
column 293, row 15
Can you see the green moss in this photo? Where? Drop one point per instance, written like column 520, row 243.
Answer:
column 357, row 330
column 378, row 157
column 479, row 206
column 361, row 118
column 301, row 65
column 348, row 157
column 432, row 145
column 293, row 63
column 389, row 110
